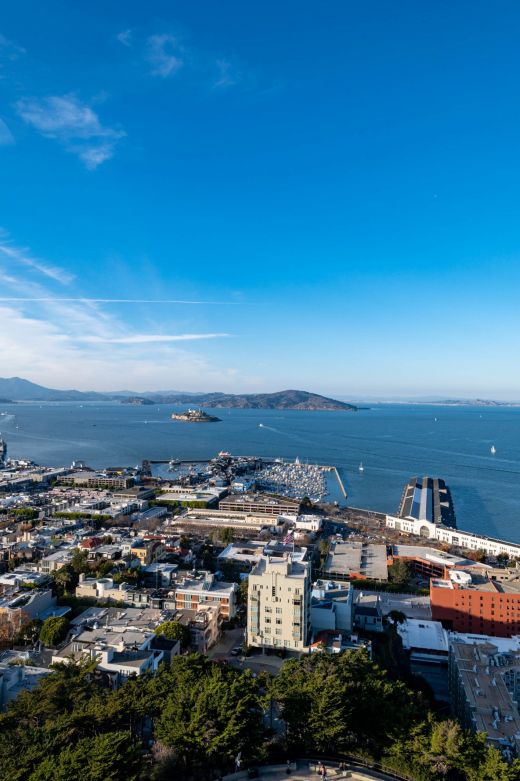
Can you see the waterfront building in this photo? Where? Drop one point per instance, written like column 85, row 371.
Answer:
column 279, row 600
column 97, row 480
column 455, row 537
column 427, row 499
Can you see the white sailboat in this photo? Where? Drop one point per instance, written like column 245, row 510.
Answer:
column 493, row 450
column 361, row 467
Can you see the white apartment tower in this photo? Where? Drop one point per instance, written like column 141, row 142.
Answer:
column 279, row 598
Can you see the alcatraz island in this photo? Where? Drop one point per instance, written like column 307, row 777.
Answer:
column 195, row 416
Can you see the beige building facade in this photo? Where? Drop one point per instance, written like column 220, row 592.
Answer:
column 279, row 597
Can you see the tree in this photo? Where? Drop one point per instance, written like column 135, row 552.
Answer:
column 210, row 713
column 226, row 535
column 397, row 616
column 79, row 561
column 65, row 579
column 28, row 633
column 243, row 591
column 337, row 704
column 399, row 573
column 174, row 630
column 503, row 558
column 54, row 630
column 107, row 757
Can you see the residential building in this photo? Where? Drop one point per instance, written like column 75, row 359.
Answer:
column 101, row 588
column 55, row 561
column 484, row 678
column 331, row 606
column 203, row 625
column 202, row 589
column 17, row 675
column 147, row 551
column 279, row 601
column 243, row 555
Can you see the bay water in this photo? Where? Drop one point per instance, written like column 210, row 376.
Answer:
column 393, row 441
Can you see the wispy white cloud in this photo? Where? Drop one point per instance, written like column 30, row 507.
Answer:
column 22, row 256
column 73, row 124
column 227, row 76
column 10, row 50
column 164, row 54
column 125, row 37
column 6, row 137
column 77, row 341
column 150, row 338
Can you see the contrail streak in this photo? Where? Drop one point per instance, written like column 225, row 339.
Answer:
column 117, row 301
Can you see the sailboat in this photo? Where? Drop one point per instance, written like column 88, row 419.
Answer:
column 493, row 450
column 361, row 467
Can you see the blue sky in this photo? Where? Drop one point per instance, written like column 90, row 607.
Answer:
column 336, row 185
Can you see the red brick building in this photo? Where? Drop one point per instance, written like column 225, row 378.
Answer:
column 478, row 604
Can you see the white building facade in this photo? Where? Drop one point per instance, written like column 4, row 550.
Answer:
column 461, row 539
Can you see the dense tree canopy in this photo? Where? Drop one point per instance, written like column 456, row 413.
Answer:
column 197, row 715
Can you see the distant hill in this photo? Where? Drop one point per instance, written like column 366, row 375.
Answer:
column 470, row 403
column 19, row 389
column 138, row 401
column 289, row 399
column 22, row 390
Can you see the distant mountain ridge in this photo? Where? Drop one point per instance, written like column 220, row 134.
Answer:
column 19, row 389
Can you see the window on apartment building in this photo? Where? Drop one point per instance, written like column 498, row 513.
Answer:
column 278, row 631
column 267, row 620
column 278, row 620
column 273, row 591
column 278, row 610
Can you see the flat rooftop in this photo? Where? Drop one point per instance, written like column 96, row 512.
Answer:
column 412, row 606
column 435, row 556
column 493, row 581
column 481, row 669
column 351, row 559
column 422, row 634
column 294, row 569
